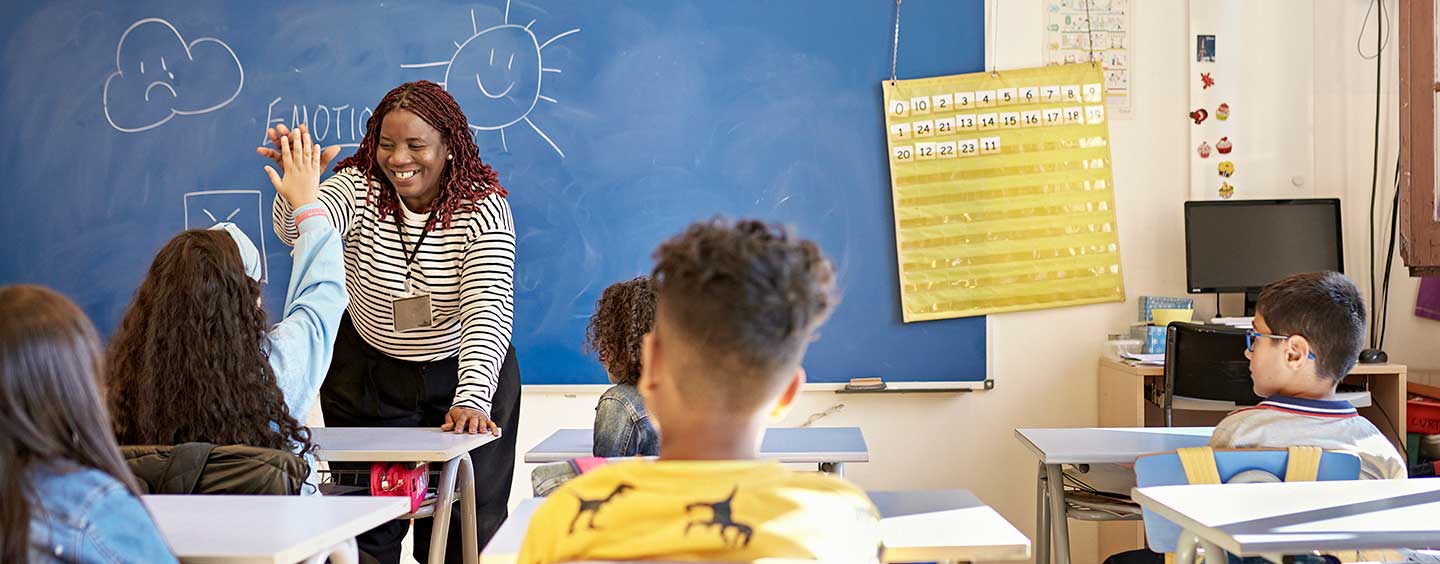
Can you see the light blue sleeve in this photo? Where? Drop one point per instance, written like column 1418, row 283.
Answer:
column 301, row 344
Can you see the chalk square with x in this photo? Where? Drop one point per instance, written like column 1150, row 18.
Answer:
column 244, row 208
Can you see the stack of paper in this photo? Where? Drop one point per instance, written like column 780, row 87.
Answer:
column 1146, row 359
column 1240, row 322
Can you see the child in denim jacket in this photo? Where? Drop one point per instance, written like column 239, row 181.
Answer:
column 623, row 316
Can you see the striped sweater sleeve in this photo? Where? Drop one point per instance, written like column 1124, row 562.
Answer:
column 337, row 194
column 487, row 309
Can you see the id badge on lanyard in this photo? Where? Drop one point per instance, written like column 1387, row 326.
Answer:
column 410, row 309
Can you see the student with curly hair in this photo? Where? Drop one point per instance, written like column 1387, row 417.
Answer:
column 429, row 262
column 194, row 359
column 623, row 316
column 737, row 304
column 67, row 495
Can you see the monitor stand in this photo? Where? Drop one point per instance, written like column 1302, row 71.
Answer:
column 1251, row 298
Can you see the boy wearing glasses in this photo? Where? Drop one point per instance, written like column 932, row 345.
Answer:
column 1309, row 329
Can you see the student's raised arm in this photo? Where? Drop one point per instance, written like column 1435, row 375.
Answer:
column 300, row 346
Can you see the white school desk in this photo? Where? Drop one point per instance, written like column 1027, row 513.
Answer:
column 234, row 529
column 1117, row 445
column 916, row 526
column 417, row 444
column 1296, row 517
column 1123, row 403
column 830, row 447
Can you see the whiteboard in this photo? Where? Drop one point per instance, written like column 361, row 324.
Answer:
column 1264, row 70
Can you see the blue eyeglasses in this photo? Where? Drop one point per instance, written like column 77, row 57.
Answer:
column 1251, row 335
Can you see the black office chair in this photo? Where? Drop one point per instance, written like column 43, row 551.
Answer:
column 1206, row 370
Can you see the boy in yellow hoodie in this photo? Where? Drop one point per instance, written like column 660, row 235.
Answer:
column 738, row 302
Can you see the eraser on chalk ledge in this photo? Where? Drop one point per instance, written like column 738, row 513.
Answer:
column 865, row 384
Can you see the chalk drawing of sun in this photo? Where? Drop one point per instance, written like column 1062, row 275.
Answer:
column 496, row 76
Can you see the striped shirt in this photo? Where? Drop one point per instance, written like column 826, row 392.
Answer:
column 1280, row 422
column 467, row 269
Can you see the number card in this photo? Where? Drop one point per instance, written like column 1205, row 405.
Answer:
column 964, row 100
column 945, row 150
column 1029, row 94
column 942, row 103
column 945, row 126
column 1027, row 119
column 920, row 106
column 925, row 151
column 1002, row 192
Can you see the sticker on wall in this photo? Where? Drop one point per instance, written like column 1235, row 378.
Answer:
column 1227, row 169
column 1222, row 113
column 1204, row 150
column 1223, row 146
column 1205, row 81
column 1199, row 115
column 1226, row 190
column 1204, row 48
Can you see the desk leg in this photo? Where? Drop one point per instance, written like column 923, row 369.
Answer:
column 1042, row 519
column 1185, row 548
column 836, row 468
column 1059, row 525
column 440, row 532
column 469, row 525
column 1213, row 553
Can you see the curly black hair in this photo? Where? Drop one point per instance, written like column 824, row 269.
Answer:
column 746, row 296
column 188, row 363
column 623, row 315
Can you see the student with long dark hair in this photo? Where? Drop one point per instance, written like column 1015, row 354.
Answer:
column 195, row 359
column 65, row 493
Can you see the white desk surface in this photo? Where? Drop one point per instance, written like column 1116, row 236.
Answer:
column 798, row 445
column 1295, row 517
column 204, row 529
column 916, row 526
column 392, row 444
column 945, row 525
column 1108, row 445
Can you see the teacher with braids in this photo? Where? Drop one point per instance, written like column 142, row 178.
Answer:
column 429, row 263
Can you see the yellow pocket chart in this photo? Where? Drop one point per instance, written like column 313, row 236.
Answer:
column 1003, row 193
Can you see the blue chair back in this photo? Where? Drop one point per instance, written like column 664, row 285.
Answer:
column 1165, row 469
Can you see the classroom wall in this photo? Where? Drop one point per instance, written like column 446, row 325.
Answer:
column 1044, row 362
column 1344, row 142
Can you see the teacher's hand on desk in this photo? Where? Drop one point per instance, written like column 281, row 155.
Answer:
column 470, row 421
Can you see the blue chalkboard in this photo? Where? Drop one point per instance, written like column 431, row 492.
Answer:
column 613, row 124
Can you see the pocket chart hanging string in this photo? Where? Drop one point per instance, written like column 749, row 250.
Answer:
column 1090, row 31
column 895, row 43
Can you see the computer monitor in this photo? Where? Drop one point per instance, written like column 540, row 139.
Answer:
column 1244, row 245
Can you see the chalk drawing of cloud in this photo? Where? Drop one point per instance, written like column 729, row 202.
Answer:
column 159, row 76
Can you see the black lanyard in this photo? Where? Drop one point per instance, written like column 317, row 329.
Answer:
column 410, row 254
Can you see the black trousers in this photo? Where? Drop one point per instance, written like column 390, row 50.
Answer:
column 367, row 388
